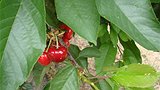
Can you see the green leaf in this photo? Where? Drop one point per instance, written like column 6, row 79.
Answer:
column 131, row 53
column 104, row 39
column 74, row 50
column 103, row 35
column 82, row 61
column 51, row 17
column 65, row 79
column 22, row 40
column 37, row 70
column 119, row 63
column 135, row 17
column 90, row 52
column 156, row 8
column 123, row 36
column 155, row 1
column 136, row 75
column 114, row 36
column 47, row 86
column 38, row 73
column 150, row 88
column 81, row 15
column 115, row 28
column 107, row 58
column 102, row 29
column 104, row 85
column 110, row 69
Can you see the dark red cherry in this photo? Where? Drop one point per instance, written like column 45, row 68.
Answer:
column 69, row 32
column 57, row 54
column 43, row 59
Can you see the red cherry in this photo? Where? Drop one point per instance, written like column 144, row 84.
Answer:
column 63, row 26
column 66, row 41
column 57, row 55
column 43, row 59
column 69, row 32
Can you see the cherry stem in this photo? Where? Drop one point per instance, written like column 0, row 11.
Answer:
column 88, row 81
column 73, row 60
column 50, row 41
column 61, row 33
column 57, row 45
column 48, row 36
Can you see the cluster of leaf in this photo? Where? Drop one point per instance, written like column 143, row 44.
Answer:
column 23, row 39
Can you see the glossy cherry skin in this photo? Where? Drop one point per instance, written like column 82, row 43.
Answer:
column 69, row 32
column 44, row 60
column 57, row 54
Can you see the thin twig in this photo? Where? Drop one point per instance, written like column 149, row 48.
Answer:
column 50, row 41
column 85, row 79
column 69, row 55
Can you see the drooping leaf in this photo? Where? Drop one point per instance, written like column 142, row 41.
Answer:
column 90, row 52
column 131, row 53
column 107, row 58
column 22, row 40
column 136, row 75
column 135, row 17
column 81, row 15
column 65, row 79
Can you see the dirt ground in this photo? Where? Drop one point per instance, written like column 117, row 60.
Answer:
column 148, row 57
column 151, row 58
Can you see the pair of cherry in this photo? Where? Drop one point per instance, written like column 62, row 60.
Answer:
column 57, row 54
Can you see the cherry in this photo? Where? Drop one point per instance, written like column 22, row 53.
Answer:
column 57, row 54
column 43, row 59
column 63, row 26
column 66, row 41
column 69, row 32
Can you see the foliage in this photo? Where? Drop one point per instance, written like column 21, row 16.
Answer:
column 105, row 24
